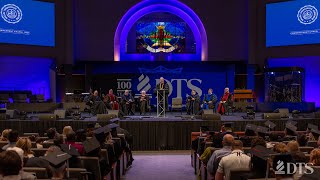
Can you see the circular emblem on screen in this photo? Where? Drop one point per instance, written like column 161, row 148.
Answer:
column 11, row 13
column 307, row 14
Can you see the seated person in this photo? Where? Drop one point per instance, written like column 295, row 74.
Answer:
column 144, row 103
column 25, row 145
column 286, row 159
column 280, row 148
column 4, row 135
column 315, row 157
column 273, row 139
column 11, row 166
column 290, row 132
column 111, row 101
column 237, row 159
column 216, row 156
column 249, row 134
column 226, row 100
column 209, row 100
column 71, row 140
column 13, row 137
column 302, row 140
column 297, row 155
column 259, row 166
column 96, row 104
column 127, row 103
column 193, row 103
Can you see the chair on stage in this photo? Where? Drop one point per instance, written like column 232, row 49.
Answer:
column 176, row 104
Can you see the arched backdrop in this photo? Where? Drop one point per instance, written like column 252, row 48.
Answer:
column 151, row 6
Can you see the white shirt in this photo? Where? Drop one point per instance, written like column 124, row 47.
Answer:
column 237, row 159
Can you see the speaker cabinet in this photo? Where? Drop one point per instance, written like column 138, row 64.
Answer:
column 271, row 116
column 114, row 112
column 208, row 111
column 13, row 113
column 4, row 116
column 214, row 116
column 61, row 113
column 284, row 112
column 105, row 117
column 47, row 117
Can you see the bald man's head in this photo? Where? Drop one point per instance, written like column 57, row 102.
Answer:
column 227, row 140
column 161, row 80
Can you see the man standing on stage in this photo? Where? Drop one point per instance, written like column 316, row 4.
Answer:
column 163, row 86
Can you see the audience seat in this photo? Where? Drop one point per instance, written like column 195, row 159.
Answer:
column 47, row 145
column 312, row 144
column 240, row 174
column 306, row 149
column 39, row 152
column 31, row 134
column 91, row 164
column 41, row 173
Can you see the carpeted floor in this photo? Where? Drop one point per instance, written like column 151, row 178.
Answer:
column 163, row 165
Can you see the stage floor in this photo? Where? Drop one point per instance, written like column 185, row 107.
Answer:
column 153, row 133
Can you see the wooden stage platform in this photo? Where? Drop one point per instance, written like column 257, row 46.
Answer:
column 152, row 133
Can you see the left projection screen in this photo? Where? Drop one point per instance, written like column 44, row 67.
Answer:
column 27, row 22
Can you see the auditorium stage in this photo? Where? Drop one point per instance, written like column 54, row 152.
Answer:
column 152, row 133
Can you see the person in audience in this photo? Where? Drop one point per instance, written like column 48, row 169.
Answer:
column 71, row 140
column 249, row 134
column 10, row 165
column 97, row 106
column 111, row 101
column 51, row 134
column 286, row 159
column 226, row 128
column 297, row 155
column 302, row 140
column 226, row 100
column 315, row 157
column 58, row 140
column 144, row 103
column 127, row 103
column 209, row 100
column 25, row 145
column 273, row 139
column 216, row 156
column 66, row 130
column 13, row 137
column 290, row 132
column 93, row 149
column 4, row 135
column 236, row 159
column 280, row 148
column 81, row 135
column 258, row 165
column 57, row 163
column 90, row 129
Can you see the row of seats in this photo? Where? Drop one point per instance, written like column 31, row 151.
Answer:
column 21, row 98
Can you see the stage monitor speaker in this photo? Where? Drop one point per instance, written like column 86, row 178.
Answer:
column 114, row 112
column 61, row 113
column 47, row 117
column 105, row 117
column 214, row 116
column 208, row 111
column 13, row 113
column 271, row 116
column 284, row 112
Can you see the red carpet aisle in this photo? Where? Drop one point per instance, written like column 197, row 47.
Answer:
column 161, row 166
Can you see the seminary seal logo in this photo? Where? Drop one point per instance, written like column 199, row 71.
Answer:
column 307, row 14
column 11, row 13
